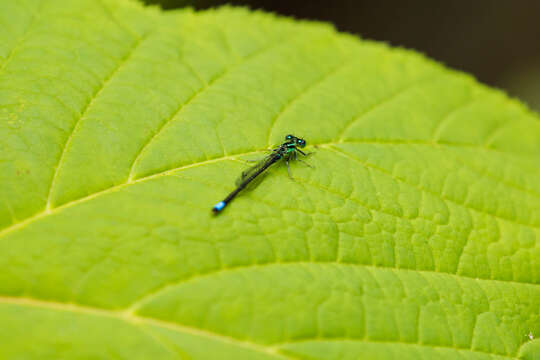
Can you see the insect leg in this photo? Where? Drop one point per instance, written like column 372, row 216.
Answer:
column 303, row 153
column 289, row 169
column 306, row 163
column 296, row 157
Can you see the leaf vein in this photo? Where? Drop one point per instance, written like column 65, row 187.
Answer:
column 24, row 37
column 140, row 302
column 197, row 93
column 112, row 189
column 382, row 102
column 169, row 172
column 398, row 179
column 445, row 121
column 84, row 111
column 301, row 94
column 135, row 319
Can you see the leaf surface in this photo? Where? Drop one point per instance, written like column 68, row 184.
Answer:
column 415, row 235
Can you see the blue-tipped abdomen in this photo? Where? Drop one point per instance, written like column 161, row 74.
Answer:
column 219, row 206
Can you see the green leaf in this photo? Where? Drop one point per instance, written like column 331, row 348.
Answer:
column 415, row 235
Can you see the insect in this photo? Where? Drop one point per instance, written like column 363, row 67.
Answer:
column 288, row 150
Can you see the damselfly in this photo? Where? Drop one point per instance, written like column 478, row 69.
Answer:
column 288, row 150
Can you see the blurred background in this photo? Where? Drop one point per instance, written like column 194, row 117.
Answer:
column 498, row 41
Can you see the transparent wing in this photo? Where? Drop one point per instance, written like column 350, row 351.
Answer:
column 253, row 169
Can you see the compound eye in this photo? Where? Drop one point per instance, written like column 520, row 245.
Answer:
column 301, row 142
column 288, row 137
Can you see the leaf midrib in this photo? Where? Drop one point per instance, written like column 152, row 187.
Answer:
column 114, row 188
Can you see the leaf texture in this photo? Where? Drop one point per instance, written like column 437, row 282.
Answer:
column 415, row 235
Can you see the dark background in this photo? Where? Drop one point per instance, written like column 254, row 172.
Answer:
column 498, row 41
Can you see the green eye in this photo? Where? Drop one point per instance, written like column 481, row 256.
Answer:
column 288, row 137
